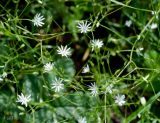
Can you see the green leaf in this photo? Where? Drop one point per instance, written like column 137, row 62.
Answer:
column 32, row 85
column 141, row 109
column 65, row 68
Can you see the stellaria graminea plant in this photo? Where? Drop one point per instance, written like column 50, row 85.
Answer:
column 23, row 99
column 93, row 88
column 96, row 43
column 84, row 26
column 48, row 67
column 38, row 20
column 57, row 85
column 120, row 99
column 64, row 51
column 128, row 23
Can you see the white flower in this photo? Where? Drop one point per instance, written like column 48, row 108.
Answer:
column 96, row 44
column 82, row 120
column 84, row 27
column 48, row 67
column 153, row 26
column 86, row 69
column 143, row 101
column 94, row 90
column 128, row 23
column 23, row 99
column 57, row 85
column 37, row 20
column 64, row 51
column 119, row 99
column 4, row 75
column 109, row 88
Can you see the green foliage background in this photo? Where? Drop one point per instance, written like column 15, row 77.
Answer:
column 26, row 48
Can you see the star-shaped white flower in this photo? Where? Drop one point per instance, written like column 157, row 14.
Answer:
column 93, row 88
column 86, row 69
column 37, row 20
column 82, row 120
column 128, row 23
column 58, row 85
column 120, row 99
column 23, row 99
column 64, row 51
column 48, row 67
column 96, row 43
column 84, row 26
